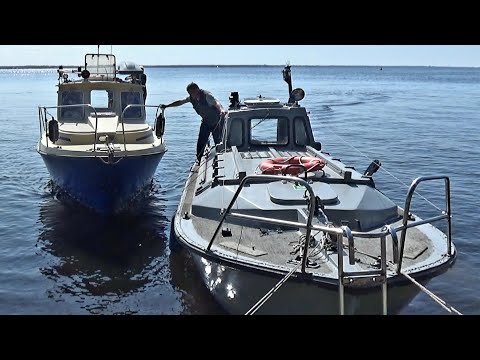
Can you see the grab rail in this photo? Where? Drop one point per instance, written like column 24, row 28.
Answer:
column 43, row 119
column 345, row 277
column 122, row 115
column 263, row 178
column 397, row 246
column 406, row 214
column 62, row 107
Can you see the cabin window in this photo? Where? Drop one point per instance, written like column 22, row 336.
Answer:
column 235, row 133
column 269, row 131
column 300, row 132
column 102, row 100
column 69, row 112
column 129, row 98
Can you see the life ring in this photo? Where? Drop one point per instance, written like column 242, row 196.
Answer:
column 293, row 165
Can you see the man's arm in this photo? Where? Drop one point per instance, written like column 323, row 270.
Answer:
column 176, row 103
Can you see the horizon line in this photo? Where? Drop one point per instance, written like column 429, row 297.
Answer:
column 233, row 65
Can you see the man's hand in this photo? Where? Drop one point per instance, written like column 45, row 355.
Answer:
column 163, row 106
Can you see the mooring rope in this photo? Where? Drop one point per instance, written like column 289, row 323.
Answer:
column 436, row 298
column 392, row 267
column 264, row 299
column 441, row 302
column 330, row 129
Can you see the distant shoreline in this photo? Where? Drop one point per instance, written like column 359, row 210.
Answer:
column 147, row 66
column 15, row 67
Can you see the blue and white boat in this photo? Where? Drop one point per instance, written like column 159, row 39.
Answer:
column 96, row 142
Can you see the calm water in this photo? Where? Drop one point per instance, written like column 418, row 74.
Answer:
column 57, row 258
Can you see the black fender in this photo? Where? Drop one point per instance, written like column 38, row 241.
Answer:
column 160, row 125
column 53, row 132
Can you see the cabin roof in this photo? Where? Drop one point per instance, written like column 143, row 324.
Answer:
column 100, row 85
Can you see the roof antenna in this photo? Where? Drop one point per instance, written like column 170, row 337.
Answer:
column 287, row 76
column 98, row 57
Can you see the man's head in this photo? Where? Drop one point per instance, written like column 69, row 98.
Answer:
column 193, row 90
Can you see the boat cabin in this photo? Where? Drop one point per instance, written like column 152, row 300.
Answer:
column 102, row 99
column 260, row 123
column 101, row 93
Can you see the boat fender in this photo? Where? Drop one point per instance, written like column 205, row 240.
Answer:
column 372, row 168
column 160, row 125
column 293, row 165
column 53, row 132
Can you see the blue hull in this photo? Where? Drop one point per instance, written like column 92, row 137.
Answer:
column 105, row 188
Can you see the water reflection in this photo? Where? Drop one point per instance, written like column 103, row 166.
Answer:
column 196, row 299
column 122, row 264
column 107, row 264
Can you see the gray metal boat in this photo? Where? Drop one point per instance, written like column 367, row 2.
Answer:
column 275, row 225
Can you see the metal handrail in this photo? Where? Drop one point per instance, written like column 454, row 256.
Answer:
column 406, row 214
column 308, row 226
column 340, row 232
column 389, row 230
column 43, row 118
column 68, row 106
column 42, row 115
column 122, row 115
column 342, row 274
column 263, row 178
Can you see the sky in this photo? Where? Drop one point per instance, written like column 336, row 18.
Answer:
column 371, row 55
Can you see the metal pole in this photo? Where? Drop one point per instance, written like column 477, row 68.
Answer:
column 341, row 295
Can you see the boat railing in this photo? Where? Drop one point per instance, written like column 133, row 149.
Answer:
column 43, row 121
column 351, row 278
column 132, row 106
column 378, row 276
column 262, row 178
column 44, row 114
column 388, row 230
column 344, row 277
column 446, row 214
